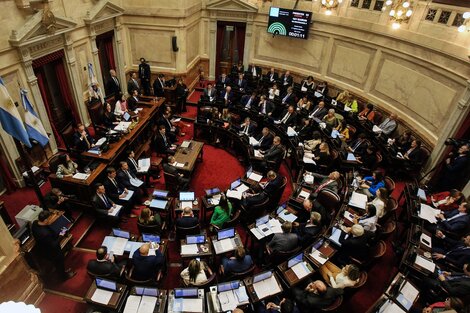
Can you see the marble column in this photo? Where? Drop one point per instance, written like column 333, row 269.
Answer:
column 96, row 60
column 213, row 47
column 248, row 42
column 75, row 81
column 454, row 122
column 119, row 52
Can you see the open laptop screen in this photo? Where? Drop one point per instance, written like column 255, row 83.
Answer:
column 145, row 291
column 150, row 238
column 296, row 259
column 212, row 191
column 262, row 220
column 106, row 284
column 121, row 233
column 126, row 116
column 226, row 233
column 228, row 286
column 160, row 194
column 186, row 292
column 187, row 196
column 235, row 184
column 262, row 276
column 195, row 239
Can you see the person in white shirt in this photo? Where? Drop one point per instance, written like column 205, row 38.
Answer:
column 194, row 273
column 348, row 276
column 273, row 92
column 380, row 202
column 369, row 220
column 121, row 105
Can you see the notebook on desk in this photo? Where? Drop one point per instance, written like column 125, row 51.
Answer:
column 121, row 233
column 250, row 174
column 265, row 285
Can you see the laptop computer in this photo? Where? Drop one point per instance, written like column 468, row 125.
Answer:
column 281, row 208
column 231, row 285
column 160, row 194
column 145, row 291
column 150, row 238
column 294, row 260
column 186, row 293
column 106, row 284
column 262, row 220
column 186, row 199
column 235, row 184
column 212, row 191
column 262, row 276
column 226, row 241
column 121, row 233
column 158, row 204
column 335, row 233
column 195, row 239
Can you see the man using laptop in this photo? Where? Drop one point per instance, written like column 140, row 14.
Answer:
column 187, row 219
column 285, row 241
column 104, row 264
column 48, row 243
column 170, row 168
column 146, row 266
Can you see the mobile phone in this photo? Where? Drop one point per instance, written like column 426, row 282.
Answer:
column 110, row 254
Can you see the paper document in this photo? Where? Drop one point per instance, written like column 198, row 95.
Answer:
column 122, row 126
column 258, row 234
column 147, row 305
column 176, row 120
column 347, row 109
column 234, row 194
column 101, row 296
column 266, row 288
column 291, row 132
column 421, row 194
column 118, row 246
column 241, row 294
column 428, row 213
column 351, row 157
column 225, row 244
column 100, row 141
column 304, row 194
column 189, row 249
column 258, row 154
column 301, row 270
column 242, row 188
column 425, row 240
column 308, row 179
column 265, row 229
column 81, row 176
column 425, row 263
column 376, row 129
column 132, row 304
column 408, row 294
column 180, row 165
column 128, row 195
column 275, row 226
column 227, row 300
column 192, row 305
column 308, row 158
column 253, row 141
column 136, row 182
column 144, row 165
column 303, row 89
column 115, row 210
column 255, row 176
column 390, row 307
column 287, row 216
column 349, row 216
column 319, row 257
column 358, row 200
column 318, row 95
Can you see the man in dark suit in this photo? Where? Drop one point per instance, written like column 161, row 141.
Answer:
column 316, row 296
column 127, row 178
column 162, row 143
column 455, row 221
column 227, row 96
column 133, row 100
column 55, row 200
column 265, row 190
column 255, row 71
column 146, row 266
column 276, row 152
column 159, row 86
column 246, row 127
column 305, row 130
column 308, row 231
column 359, row 145
column 286, row 80
column 356, row 245
column 116, row 191
column 285, row 241
column 210, row 93
column 241, row 82
column 456, row 284
column 289, row 97
column 330, row 182
column 319, row 111
column 171, row 130
column 223, row 80
column 451, row 251
column 82, row 139
column 113, row 86
column 187, row 219
column 265, row 140
column 104, row 265
column 238, row 263
column 133, row 84
column 170, row 168
column 272, row 76
column 248, row 101
column 145, row 75
column 455, row 165
column 265, row 107
column 102, row 204
column 288, row 117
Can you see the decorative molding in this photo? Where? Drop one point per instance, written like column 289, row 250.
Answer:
column 103, row 11
column 232, row 5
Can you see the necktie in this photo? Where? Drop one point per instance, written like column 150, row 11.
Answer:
column 164, row 140
column 134, row 162
column 116, row 81
column 239, row 82
column 356, row 145
column 129, row 174
column 322, row 186
column 246, row 129
column 105, row 200
column 87, row 142
column 261, row 140
column 285, row 98
column 264, row 108
column 135, row 82
column 254, row 70
column 455, row 216
column 114, row 182
column 286, row 117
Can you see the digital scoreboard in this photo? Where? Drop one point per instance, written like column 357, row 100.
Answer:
column 290, row 23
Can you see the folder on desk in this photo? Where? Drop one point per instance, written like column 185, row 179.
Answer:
column 116, row 209
column 425, row 263
column 147, row 304
column 128, row 196
column 136, row 182
column 144, row 165
column 358, row 200
column 101, row 296
column 253, row 141
column 81, row 176
column 266, row 287
column 407, row 295
column 428, row 213
column 132, row 304
column 189, row 249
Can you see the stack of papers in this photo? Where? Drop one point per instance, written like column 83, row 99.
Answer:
column 287, row 216
column 128, row 196
column 34, row 169
column 147, row 305
column 301, row 270
column 358, row 200
column 376, row 129
column 428, row 213
column 227, row 300
column 266, row 288
column 189, row 249
column 115, row 210
column 390, row 307
column 304, row 194
column 132, row 304
column 319, row 257
column 425, row 240
column 308, row 158
column 122, row 126
column 258, row 154
column 180, row 165
column 187, row 305
column 136, row 182
column 255, row 176
column 309, row 178
column 101, row 296
column 81, row 176
column 100, row 141
column 291, row 132
column 234, row 194
column 144, row 165
column 115, row 244
column 407, row 296
column 425, row 263
column 253, row 141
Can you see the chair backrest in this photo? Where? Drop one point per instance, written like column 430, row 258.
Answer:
column 277, row 257
column 171, row 182
column 93, row 275
column 389, row 184
column 352, row 130
column 379, row 250
column 378, row 117
column 133, row 282
column 336, row 304
column 67, row 135
column 206, row 283
column 150, row 229
column 54, row 163
column 181, row 232
column 329, row 199
column 362, row 280
column 96, row 112
column 234, row 220
column 241, row 275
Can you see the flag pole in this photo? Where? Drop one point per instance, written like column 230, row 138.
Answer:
column 26, row 161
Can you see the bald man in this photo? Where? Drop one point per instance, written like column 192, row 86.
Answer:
column 146, row 266
column 316, row 296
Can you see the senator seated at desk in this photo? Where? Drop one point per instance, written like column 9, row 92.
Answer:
column 117, row 191
column 162, row 143
column 82, row 139
column 170, row 168
column 195, row 273
column 146, row 265
column 222, row 212
column 130, row 181
column 239, row 263
column 336, row 277
column 309, row 230
column 449, row 251
column 66, row 167
column 316, row 296
column 187, row 219
column 104, row 265
column 285, row 241
column 104, row 206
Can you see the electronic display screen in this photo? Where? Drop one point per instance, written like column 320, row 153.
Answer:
column 290, row 23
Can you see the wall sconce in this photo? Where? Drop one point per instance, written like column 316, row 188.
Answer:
column 400, row 11
column 466, row 23
column 329, row 5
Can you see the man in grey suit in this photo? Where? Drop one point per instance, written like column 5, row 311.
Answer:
column 285, row 241
column 389, row 125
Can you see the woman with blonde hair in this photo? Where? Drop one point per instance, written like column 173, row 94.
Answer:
column 147, row 217
column 194, row 273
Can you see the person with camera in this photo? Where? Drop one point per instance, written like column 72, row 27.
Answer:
column 56, row 200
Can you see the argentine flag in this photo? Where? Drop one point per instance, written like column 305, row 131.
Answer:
column 34, row 125
column 10, row 118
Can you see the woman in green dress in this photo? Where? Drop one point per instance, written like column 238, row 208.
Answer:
column 222, row 212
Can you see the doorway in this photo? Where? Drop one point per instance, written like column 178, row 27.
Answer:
column 105, row 45
column 230, row 46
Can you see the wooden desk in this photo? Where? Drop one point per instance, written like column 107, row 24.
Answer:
column 116, row 303
column 252, row 293
column 324, row 247
column 289, row 276
column 236, row 238
column 204, row 250
column 189, row 156
column 160, row 306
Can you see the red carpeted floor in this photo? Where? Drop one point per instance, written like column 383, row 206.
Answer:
column 217, row 169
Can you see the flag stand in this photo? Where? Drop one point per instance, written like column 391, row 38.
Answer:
column 25, row 158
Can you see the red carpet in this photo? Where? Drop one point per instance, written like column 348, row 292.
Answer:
column 57, row 304
column 194, row 97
